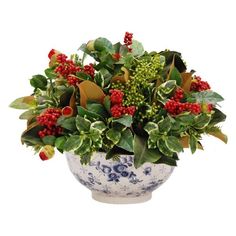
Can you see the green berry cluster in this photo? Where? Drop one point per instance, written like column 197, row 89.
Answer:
column 146, row 71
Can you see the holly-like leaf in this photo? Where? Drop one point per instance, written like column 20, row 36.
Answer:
column 98, row 125
column 125, row 120
column 126, row 140
column 201, row 120
column 84, row 147
column 24, row 103
column 73, row 143
column 173, row 144
column 88, row 114
column 164, row 125
column 113, row 135
column 164, row 149
column 150, row 126
column 82, row 124
column 142, row 154
column 90, row 91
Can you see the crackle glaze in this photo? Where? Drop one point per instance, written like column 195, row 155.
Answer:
column 118, row 181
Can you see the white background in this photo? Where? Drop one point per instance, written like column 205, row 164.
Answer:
column 43, row 198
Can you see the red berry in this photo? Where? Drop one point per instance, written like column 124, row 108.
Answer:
column 116, row 56
column 198, row 85
column 67, row 111
column 116, row 96
column 51, row 53
column 117, row 110
column 43, row 156
column 61, row 58
column 88, row 69
column 128, row 40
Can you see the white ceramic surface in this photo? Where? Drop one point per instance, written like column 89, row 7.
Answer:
column 118, row 181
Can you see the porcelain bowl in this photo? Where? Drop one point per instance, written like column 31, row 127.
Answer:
column 118, row 181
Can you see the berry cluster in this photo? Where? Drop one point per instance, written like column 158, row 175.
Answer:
column 117, row 108
column 174, row 108
column 49, row 119
column 179, row 94
column 198, row 85
column 68, row 68
column 128, row 40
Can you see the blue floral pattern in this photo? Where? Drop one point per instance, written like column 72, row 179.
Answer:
column 118, row 178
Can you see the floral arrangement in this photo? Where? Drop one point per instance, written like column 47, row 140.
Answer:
column 127, row 101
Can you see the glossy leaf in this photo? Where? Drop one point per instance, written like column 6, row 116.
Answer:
column 201, row 120
column 39, row 81
column 67, row 123
column 49, row 140
column 90, row 91
column 24, row 103
column 98, row 125
column 142, row 154
column 186, row 81
column 60, row 142
column 101, row 44
column 82, row 124
column 73, row 143
column 164, row 125
column 125, row 120
column 113, row 135
column 126, row 140
column 173, row 144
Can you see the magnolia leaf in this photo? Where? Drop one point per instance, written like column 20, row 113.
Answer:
column 27, row 115
column 217, row 117
column 171, row 161
column 90, row 91
column 218, row 134
column 107, row 103
column 142, row 154
column 185, row 142
column 24, row 103
column 174, row 74
column 193, row 143
column 121, row 78
column 125, row 120
column 186, row 81
column 67, row 123
column 49, row 140
column 97, row 108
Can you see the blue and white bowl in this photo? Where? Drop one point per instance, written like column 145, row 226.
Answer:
column 118, row 181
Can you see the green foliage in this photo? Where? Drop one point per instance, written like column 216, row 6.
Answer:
column 39, row 81
column 125, row 120
column 67, row 123
column 24, row 103
column 126, row 140
column 207, row 96
column 137, row 48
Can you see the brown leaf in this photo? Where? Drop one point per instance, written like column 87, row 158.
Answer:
column 30, row 129
column 122, row 78
column 185, row 142
column 218, row 134
column 90, row 91
column 186, row 81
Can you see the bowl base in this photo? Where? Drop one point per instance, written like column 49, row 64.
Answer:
column 120, row 200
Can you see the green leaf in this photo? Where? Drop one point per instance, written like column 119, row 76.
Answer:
column 150, row 126
column 125, row 120
column 113, row 135
column 201, row 120
column 98, row 125
column 84, row 147
column 175, row 75
column 101, row 44
column 164, row 125
column 50, row 140
column 185, row 118
column 217, row 117
column 126, row 140
column 73, row 143
column 83, row 76
column 89, row 114
column 97, row 108
column 207, row 96
column 27, row 115
column 67, row 123
column 95, row 135
column 82, row 124
column 166, row 88
column 154, row 135
column 107, row 103
column 137, row 48
column 193, row 143
column 164, row 149
column 113, row 153
column 49, row 72
column 167, row 160
column 142, row 154
column 99, row 80
column 173, row 144
column 39, row 81
column 24, row 103
column 60, row 142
